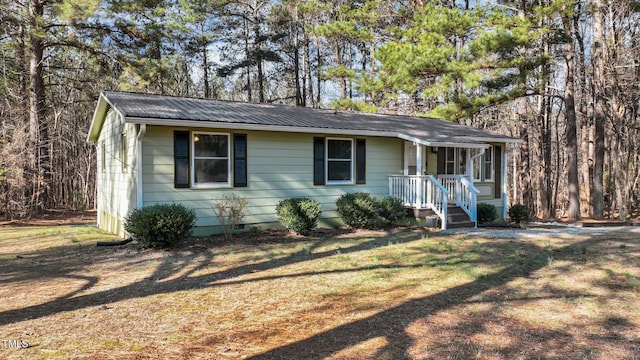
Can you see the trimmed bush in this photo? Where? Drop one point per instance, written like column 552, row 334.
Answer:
column 487, row 213
column 392, row 209
column 519, row 213
column 358, row 210
column 160, row 226
column 299, row 215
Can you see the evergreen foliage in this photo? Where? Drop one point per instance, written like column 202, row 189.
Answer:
column 358, row 210
column 161, row 225
column 519, row 213
column 487, row 213
column 392, row 210
column 299, row 215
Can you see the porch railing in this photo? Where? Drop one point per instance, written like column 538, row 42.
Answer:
column 422, row 192
column 462, row 192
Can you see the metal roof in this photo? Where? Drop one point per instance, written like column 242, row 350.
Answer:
column 182, row 111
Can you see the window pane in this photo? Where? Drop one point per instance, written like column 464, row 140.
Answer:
column 339, row 149
column 477, row 168
column 487, row 170
column 210, row 171
column 339, row 170
column 207, row 145
column 488, row 164
column 450, row 168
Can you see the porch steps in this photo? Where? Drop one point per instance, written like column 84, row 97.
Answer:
column 456, row 217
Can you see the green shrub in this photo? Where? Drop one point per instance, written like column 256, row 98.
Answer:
column 487, row 213
column 358, row 210
column 299, row 215
column 160, row 226
column 519, row 213
column 392, row 209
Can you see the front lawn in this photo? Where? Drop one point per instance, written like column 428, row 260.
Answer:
column 396, row 294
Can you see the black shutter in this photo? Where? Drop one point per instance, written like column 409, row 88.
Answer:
column 497, row 162
column 361, row 161
column 318, row 161
column 240, row 160
column 181, row 159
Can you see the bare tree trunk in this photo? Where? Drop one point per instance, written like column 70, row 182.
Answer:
column 572, row 136
column 205, row 66
column 247, row 54
column 526, row 193
column 38, row 131
column 341, row 80
column 599, row 91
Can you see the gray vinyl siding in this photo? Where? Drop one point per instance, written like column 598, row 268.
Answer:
column 116, row 186
column 280, row 166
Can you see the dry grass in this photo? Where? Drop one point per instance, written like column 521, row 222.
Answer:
column 398, row 294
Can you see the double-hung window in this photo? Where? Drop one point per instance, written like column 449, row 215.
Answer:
column 208, row 159
column 210, row 163
column 339, row 161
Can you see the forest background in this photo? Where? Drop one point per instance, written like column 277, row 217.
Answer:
column 564, row 76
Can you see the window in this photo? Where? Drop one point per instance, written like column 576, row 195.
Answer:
column 339, row 161
column 210, row 162
column 123, row 152
column 477, row 165
column 488, row 164
column 203, row 159
column 483, row 165
column 103, row 156
column 453, row 161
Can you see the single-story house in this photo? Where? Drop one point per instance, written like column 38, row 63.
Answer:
column 156, row 149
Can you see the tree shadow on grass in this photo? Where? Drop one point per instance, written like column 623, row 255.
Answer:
column 177, row 273
column 392, row 324
column 174, row 273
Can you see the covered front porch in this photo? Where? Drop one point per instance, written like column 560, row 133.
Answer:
column 451, row 178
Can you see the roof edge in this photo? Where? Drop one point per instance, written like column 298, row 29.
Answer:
column 256, row 127
column 472, row 143
column 99, row 115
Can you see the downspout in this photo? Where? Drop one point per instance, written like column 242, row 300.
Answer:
column 141, row 133
column 470, row 162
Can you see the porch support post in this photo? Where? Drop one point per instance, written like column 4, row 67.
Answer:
column 420, row 181
column 419, row 159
